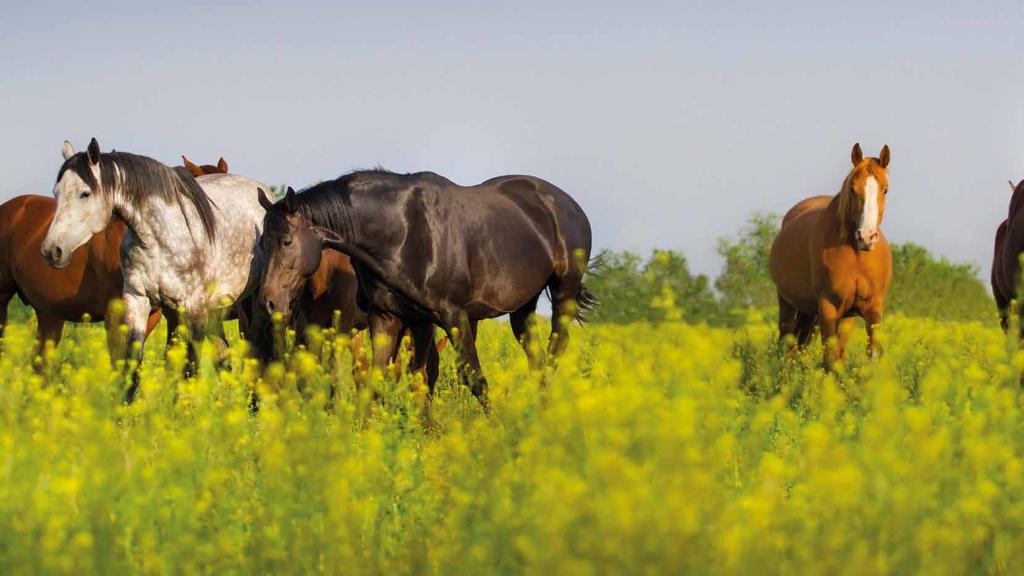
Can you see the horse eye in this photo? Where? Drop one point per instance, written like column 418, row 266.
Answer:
column 85, row 195
column 287, row 242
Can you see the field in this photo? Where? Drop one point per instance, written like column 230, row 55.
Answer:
column 655, row 448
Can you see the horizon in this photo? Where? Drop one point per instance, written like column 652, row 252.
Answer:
column 670, row 124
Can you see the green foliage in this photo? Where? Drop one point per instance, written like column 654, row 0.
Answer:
column 745, row 281
column 660, row 288
column 924, row 286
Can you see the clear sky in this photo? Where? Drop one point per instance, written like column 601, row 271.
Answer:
column 669, row 122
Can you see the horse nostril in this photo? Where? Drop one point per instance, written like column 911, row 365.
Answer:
column 270, row 306
column 55, row 254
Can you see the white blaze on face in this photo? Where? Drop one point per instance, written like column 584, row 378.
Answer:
column 80, row 214
column 868, row 223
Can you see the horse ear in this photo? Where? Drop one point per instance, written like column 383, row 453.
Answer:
column 1013, row 187
column 68, row 150
column 222, row 165
column 265, row 200
column 883, row 156
column 94, row 151
column 188, row 164
column 291, row 202
column 856, row 155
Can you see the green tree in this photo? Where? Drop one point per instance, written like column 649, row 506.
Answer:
column 745, row 281
column 936, row 288
column 661, row 288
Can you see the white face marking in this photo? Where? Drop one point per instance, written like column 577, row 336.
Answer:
column 81, row 213
column 869, row 216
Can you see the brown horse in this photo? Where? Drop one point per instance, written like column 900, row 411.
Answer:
column 85, row 287
column 1006, row 256
column 831, row 262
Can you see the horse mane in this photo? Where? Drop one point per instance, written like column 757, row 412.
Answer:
column 845, row 209
column 141, row 177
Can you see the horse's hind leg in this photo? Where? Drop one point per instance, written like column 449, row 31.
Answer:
column 788, row 321
column 5, row 300
column 521, row 321
column 462, row 334
column 805, row 325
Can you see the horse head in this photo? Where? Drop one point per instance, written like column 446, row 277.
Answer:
column 862, row 199
column 292, row 248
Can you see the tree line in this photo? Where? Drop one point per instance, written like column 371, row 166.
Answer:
column 660, row 287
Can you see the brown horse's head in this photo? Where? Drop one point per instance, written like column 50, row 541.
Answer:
column 292, row 249
column 197, row 170
column 862, row 199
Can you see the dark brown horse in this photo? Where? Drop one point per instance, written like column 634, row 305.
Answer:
column 831, row 262
column 1006, row 256
column 85, row 287
column 429, row 252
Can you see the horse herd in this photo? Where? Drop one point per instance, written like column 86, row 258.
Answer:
column 394, row 253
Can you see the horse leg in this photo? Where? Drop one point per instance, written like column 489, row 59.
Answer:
column 521, row 321
column 385, row 332
column 828, row 319
column 1003, row 305
column 565, row 293
column 788, row 323
column 805, row 324
column 5, row 300
column 462, row 334
column 846, row 328
column 136, row 315
column 424, row 354
column 873, row 321
column 220, row 342
column 49, row 329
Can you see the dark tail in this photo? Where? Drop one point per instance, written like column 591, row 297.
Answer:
column 586, row 301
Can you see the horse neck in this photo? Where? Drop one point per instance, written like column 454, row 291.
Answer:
column 139, row 218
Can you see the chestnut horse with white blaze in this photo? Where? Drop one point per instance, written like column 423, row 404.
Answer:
column 830, row 261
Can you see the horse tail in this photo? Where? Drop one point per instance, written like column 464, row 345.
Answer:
column 586, row 301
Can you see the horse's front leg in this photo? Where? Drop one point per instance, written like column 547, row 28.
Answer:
column 873, row 321
column 136, row 317
column 828, row 319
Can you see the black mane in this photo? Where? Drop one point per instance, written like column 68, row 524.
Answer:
column 143, row 178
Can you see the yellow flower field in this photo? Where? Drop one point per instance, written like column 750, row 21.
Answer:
column 654, row 449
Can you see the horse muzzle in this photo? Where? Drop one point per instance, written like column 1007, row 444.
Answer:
column 55, row 256
column 867, row 239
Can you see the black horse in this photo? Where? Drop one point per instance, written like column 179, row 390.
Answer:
column 430, row 252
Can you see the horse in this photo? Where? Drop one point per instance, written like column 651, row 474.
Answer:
column 430, row 252
column 84, row 289
column 830, row 260
column 1006, row 256
column 189, row 248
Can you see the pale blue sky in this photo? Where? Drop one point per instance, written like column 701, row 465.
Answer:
column 669, row 122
